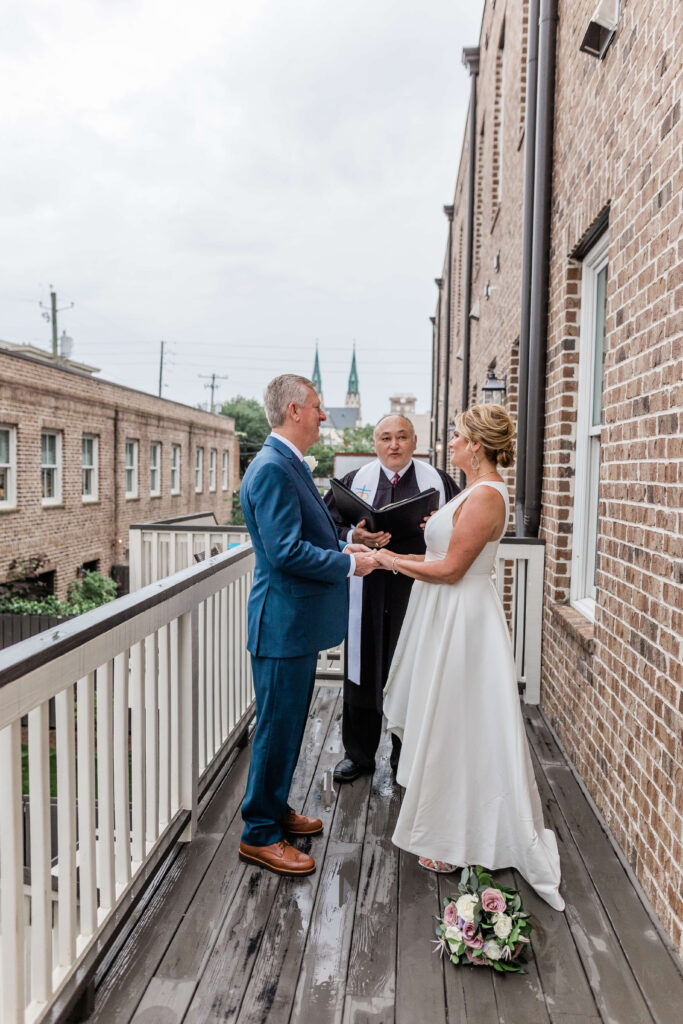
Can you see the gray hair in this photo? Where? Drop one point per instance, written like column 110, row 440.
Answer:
column 393, row 416
column 288, row 387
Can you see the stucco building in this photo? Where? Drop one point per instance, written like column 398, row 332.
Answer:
column 562, row 287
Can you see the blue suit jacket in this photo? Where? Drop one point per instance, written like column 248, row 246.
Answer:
column 299, row 599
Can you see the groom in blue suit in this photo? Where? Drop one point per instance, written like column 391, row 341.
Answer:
column 298, row 606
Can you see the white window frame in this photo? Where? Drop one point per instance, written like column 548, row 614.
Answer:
column 93, row 469
column 155, row 468
column 588, row 435
column 198, row 470
column 175, row 468
column 55, row 467
column 213, row 465
column 225, row 466
column 10, row 467
column 132, row 446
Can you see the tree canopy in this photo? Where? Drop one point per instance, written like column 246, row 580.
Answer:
column 359, row 439
column 251, row 426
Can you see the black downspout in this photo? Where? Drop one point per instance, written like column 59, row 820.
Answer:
column 527, row 235
column 432, row 419
column 448, row 210
column 438, row 282
column 538, row 332
column 470, row 58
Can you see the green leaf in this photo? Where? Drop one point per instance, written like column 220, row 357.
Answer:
column 455, row 959
column 464, row 876
column 496, row 965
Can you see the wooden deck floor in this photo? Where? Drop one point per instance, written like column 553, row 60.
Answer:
column 219, row 941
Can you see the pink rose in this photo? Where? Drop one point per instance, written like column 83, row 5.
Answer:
column 479, row 961
column 470, row 937
column 493, row 901
column 450, row 915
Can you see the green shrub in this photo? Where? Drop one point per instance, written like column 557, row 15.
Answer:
column 84, row 594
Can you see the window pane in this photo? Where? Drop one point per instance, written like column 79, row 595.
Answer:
column 4, row 495
column 592, row 512
column 599, row 350
column 87, row 449
column 87, row 483
column 48, row 482
column 49, row 449
column 4, row 447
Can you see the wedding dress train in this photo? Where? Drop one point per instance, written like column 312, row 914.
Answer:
column 451, row 697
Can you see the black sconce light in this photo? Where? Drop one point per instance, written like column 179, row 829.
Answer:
column 493, row 390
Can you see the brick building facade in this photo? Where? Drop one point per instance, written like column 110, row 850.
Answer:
column 607, row 340
column 81, row 459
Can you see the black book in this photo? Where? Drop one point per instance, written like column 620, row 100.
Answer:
column 400, row 518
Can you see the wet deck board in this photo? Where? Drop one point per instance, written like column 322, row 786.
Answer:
column 352, row 944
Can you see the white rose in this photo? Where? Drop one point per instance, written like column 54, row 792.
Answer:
column 311, row 462
column 453, row 933
column 465, row 906
column 492, row 950
column 502, row 925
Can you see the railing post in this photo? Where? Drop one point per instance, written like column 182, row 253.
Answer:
column 534, row 624
column 135, row 559
column 12, row 879
column 188, row 685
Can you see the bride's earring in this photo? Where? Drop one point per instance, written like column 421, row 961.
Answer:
column 474, row 462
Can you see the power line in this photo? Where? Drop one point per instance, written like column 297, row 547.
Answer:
column 51, row 317
column 213, row 378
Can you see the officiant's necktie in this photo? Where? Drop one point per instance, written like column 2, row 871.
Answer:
column 394, row 480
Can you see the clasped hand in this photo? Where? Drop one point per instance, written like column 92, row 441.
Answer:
column 366, row 559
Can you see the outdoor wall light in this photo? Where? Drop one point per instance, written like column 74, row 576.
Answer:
column 601, row 29
column 493, row 390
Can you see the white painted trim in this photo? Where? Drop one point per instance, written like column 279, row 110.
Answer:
column 582, row 591
column 133, row 467
column 95, row 469
column 56, row 498
column 11, row 466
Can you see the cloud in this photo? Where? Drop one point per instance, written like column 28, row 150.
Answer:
column 236, row 178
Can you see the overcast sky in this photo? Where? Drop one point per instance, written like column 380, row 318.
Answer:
column 238, row 179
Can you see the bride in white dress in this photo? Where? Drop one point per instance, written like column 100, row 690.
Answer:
column 451, row 695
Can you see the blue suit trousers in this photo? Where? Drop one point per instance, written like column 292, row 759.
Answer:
column 283, row 688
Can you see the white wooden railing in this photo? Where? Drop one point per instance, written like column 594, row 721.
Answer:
column 158, row 548
column 152, row 692
column 161, row 548
column 519, row 579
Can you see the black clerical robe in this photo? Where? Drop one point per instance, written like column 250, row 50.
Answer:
column 385, row 595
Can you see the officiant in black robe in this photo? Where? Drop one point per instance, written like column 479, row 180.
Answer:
column 373, row 633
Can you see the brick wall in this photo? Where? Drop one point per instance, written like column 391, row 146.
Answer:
column 36, row 396
column 612, row 688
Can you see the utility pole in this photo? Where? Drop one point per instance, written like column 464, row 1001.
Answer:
column 51, row 317
column 161, row 369
column 213, row 378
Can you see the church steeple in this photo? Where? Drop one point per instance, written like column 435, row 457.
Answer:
column 353, row 389
column 317, row 376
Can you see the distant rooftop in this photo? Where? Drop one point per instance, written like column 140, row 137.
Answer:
column 341, row 417
column 45, row 356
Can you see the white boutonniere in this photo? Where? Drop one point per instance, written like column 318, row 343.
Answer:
column 311, row 462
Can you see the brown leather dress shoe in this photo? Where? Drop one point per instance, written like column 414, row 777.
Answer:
column 281, row 858
column 300, row 824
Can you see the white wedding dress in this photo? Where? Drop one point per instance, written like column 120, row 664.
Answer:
column 451, row 697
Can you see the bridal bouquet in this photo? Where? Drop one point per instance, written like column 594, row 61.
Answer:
column 485, row 924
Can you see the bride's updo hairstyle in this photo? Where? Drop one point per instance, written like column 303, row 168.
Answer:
column 491, row 426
